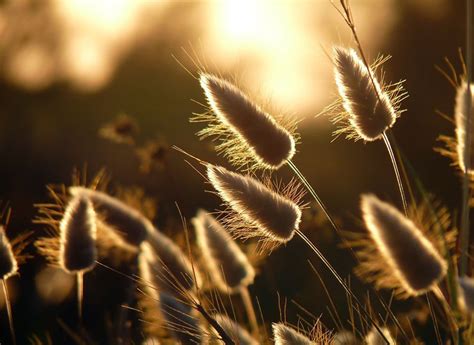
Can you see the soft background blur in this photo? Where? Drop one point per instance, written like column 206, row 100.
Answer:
column 68, row 67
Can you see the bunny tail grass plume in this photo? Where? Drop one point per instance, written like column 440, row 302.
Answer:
column 272, row 216
column 250, row 136
column 374, row 337
column 130, row 223
column 370, row 108
column 236, row 332
column 172, row 269
column 8, row 263
column 228, row 266
column 285, row 335
column 78, row 251
column 413, row 265
column 466, row 297
column 181, row 321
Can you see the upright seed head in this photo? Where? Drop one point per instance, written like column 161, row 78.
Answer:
column 268, row 214
column 228, row 266
column 252, row 135
column 369, row 108
column 460, row 112
column 130, row 223
column 8, row 263
column 236, row 332
column 415, row 262
column 285, row 335
column 77, row 247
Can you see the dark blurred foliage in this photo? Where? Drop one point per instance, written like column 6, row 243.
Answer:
column 45, row 134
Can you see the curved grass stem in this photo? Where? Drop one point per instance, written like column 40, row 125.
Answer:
column 388, row 145
column 9, row 311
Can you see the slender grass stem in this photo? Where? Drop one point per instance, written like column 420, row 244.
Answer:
column 464, row 231
column 80, row 293
column 388, row 145
column 250, row 310
column 341, row 281
column 9, row 311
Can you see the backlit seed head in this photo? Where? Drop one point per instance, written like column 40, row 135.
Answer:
column 8, row 263
column 249, row 135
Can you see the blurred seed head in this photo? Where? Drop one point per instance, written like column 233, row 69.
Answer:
column 8, row 263
column 370, row 109
column 228, row 266
column 345, row 338
column 460, row 112
column 130, row 223
column 266, row 214
column 236, row 332
column 78, row 230
column 284, row 335
column 122, row 130
column 375, row 338
column 466, row 297
column 250, row 136
column 408, row 255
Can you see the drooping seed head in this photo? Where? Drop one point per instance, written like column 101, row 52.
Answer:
column 130, row 223
column 369, row 108
column 236, row 332
column 254, row 134
column 413, row 259
column 375, row 338
column 181, row 321
column 270, row 214
column 285, row 335
column 172, row 268
column 460, row 112
column 228, row 266
column 77, row 247
column 466, row 290
column 8, row 263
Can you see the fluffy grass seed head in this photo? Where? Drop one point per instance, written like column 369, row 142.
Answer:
column 257, row 210
column 374, row 337
column 229, row 268
column 460, row 111
column 8, row 263
column 466, row 297
column 130, row 223
column 77, row 249
column 370, row 107
column 250, row 136
column 286, row 335
column 236, row 332
column 412, row 263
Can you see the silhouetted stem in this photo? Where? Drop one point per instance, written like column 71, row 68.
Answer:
column 9, row 311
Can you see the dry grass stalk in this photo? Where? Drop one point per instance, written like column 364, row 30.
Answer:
column 229, row 268
column 130, row 223
column 250, row 135
column 412, row 263
column 370, row 108
column 266, row 214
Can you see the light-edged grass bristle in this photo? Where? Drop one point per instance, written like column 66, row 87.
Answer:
column 229, row 268
column 251, row 136
column 78, row 231
column 409, row 256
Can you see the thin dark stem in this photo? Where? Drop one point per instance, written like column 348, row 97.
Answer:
column 396, row 170
column 9, row 311
column 341, row 281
